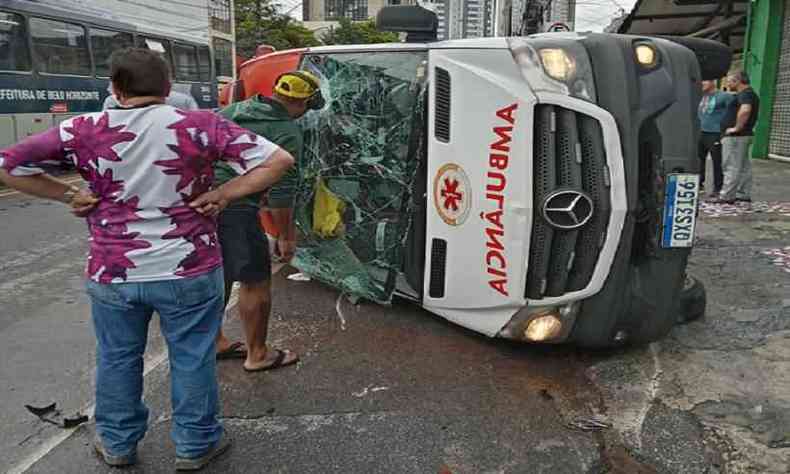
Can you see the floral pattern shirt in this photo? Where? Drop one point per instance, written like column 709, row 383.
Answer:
column 145, row 164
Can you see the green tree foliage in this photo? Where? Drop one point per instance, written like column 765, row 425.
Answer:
column 258, row 22
column 362, row 32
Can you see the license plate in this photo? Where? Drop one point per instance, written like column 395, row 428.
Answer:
column 680, row 210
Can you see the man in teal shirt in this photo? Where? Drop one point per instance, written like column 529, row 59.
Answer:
column 711, row 111
column 245, row 249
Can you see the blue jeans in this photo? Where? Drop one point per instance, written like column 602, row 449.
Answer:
column 190, row 313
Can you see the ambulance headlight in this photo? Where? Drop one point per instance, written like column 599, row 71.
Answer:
column 550, row 324
column 555, row 62
column 544, row 327
column 646, row 55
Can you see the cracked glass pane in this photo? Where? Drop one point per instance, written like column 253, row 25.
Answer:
column 362, row 152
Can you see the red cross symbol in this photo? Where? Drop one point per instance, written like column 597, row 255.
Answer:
column 452, row 196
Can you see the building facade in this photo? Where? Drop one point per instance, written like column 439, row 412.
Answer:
column 758, row 32
column 478, row 18
column 767, row 60
column 457, row 18
column 211, row 21
column 536, row 16
column 333, row 10
column 222, row 34
column 464, row 18
column 563, row 12
column 763, row 51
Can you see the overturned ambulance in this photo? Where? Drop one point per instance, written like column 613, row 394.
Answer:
column 538, row 188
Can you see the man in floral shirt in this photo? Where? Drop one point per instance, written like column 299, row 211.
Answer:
column 153, row 244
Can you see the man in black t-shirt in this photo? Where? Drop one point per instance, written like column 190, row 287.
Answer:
column 737, row 128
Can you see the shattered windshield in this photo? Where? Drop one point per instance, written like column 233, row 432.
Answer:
column 361, row 154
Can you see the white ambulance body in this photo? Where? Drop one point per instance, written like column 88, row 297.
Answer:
column 558, row 194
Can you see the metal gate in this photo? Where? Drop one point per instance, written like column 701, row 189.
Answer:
column 779, row 144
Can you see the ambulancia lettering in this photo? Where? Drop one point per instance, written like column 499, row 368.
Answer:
column 496, row 183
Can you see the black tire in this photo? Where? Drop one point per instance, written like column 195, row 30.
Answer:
column 693, row 301
column 643, row 305
column 714, row 58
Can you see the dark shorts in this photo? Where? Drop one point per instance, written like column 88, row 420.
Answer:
column 245, row 248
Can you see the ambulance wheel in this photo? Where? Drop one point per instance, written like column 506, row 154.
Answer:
column 641, row 307
column 693, row 301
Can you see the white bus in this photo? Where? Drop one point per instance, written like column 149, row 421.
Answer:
column 54, row 65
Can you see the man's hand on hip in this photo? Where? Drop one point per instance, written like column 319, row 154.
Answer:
column 254, row 180
column 210, row 203
column 83, row 203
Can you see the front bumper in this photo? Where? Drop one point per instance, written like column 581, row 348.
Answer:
column 648, row 119
column 655, row 112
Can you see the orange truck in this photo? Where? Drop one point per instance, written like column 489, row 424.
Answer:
column 257, row 75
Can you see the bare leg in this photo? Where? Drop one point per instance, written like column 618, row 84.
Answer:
column 255, row 306
column 223, row 343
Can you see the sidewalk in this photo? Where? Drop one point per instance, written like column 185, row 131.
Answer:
column 728, row 374
column 734, row 366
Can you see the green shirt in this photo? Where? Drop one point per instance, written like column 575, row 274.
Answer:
column 269, row 119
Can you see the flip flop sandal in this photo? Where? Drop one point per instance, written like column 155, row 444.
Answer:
column 279, row 362
column 234, row 351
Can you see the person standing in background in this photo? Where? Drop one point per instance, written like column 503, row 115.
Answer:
column 738, row 127
column 712, row 109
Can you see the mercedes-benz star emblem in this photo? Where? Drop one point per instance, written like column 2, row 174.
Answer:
column 567, row 209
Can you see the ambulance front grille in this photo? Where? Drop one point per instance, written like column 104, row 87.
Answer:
column 569, row 154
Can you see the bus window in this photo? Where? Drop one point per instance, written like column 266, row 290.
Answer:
column 59, row 48
column 14, row 54
column 155, row 44
column 223, row 57
column 204, row 55
column 104, row 42
column 186, row 64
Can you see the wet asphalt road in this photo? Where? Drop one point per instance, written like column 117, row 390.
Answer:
column 388, row 390
column 397, row 390
column 46, row 336
column 46, row 345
